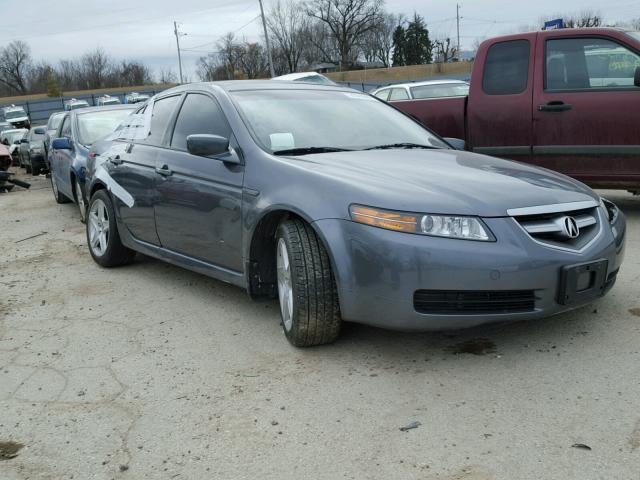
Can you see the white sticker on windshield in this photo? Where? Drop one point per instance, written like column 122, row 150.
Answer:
column 282, row 141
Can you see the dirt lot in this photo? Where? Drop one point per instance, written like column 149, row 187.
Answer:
column 154, row 372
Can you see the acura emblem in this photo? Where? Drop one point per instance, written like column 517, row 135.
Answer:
column 571, row 229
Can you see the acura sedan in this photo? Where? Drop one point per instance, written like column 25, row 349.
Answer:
column 345, row 209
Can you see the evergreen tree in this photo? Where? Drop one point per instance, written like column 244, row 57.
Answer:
column 399, row 55
column 418, row 46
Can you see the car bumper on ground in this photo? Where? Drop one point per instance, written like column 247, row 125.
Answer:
column 390, row 279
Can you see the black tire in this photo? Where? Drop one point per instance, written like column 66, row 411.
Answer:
column 60, row 198
column 315, row 314
column 115, row 254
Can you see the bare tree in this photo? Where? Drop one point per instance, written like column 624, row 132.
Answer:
column 347, row 20
column 253, row 61
column 230, row 53
column 377, row 43
column 287, row 23
column 15, row 63
column 96, row 66
column 322, row 46
column 584, row 19
column 445, row 51
column 167, row 76
column 130, row 74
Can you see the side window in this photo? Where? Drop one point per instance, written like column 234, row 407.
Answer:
column 199, row 114
column 383, row 94
column 506, row 69
column 398, row 94
column 65, row 129
column 162, row 111
column 584, row 63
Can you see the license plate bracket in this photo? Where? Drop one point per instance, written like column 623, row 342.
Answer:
column 582, row 282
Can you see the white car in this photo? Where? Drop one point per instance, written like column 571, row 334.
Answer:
column 422, row 90
column 306, row 77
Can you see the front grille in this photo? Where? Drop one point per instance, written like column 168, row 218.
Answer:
column 470, row 302
column 547, row 228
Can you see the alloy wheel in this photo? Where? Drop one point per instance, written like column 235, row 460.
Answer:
column 285, row 289
column 98, row 228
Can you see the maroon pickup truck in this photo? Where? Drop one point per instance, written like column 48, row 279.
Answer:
column 568, row 100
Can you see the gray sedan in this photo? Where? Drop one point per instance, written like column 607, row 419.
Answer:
column 345, row 209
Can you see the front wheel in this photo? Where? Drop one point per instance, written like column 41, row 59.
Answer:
column 60, row 198
column 307, row 290
column 102, row 233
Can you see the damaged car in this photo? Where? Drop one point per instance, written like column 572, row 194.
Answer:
column 345, row 209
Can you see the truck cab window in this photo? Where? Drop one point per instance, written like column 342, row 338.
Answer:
column 588, row 63
column 506, row 70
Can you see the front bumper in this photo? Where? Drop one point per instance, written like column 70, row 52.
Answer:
column 377, row 271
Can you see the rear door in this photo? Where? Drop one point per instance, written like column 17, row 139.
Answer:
column 199, row 209
column 587, row 109
column 132, row 165
column 499, row 105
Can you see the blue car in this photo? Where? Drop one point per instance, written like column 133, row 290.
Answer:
column 69, row 150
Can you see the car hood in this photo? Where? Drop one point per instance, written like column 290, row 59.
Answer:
column 18, row 119
column 442, row 181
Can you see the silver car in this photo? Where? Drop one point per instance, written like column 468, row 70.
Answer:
column 345, row 209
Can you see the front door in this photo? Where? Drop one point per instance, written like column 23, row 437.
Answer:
column 199, row 209
column 587, row 109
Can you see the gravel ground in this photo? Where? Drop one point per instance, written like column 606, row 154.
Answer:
column 153, row 372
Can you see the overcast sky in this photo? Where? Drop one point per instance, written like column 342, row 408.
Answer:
column 143, row 29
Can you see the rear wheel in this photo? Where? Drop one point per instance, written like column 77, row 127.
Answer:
column 102, row 233
column 82, row 206
column 307, row 290
column 60, row 198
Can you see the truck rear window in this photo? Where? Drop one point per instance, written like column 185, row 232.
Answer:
column 506, row 69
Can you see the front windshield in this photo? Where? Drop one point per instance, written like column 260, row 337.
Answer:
column 55, row 121
column 95, row 125
column 13, row 136
column 15, row 114
column 440, row 90
column 317, row 79
column 288, row 119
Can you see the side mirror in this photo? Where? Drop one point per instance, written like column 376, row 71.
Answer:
column 207, row 145
column 636, row 77
column 456, row 143
column 39, row 131
column 62, row 143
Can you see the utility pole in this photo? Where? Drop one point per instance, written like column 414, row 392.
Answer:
column 177, row 33
column 266, row 37
column 458, row 28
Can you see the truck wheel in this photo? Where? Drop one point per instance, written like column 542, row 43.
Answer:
column 307, row 290
column 103, row 238
column 60, row 198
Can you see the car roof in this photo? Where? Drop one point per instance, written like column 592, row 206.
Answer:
column 298, row 75
column 425, row 83
column 248, row 85
column 82, row 111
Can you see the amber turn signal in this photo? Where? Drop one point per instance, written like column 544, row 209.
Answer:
column 400, row 222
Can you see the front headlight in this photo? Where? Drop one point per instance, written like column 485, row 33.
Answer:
column 610, row 208
column 449, row 226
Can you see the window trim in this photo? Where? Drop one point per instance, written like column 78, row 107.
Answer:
column 529, row 69
column 232, row 141
column 582, row 90
column 406, row 90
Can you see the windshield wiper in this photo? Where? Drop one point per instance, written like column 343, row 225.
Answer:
column 309, row 150
column 401, row 145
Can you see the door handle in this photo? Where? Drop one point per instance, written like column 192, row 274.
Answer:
column 164, row 171
column 115, row 160
column 556, row 106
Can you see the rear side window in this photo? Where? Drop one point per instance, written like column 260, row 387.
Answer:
column 162, row 111
column 584, row 63
column 383, row 94
column 398, row 94
column 199, row 114
column 506, row 70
